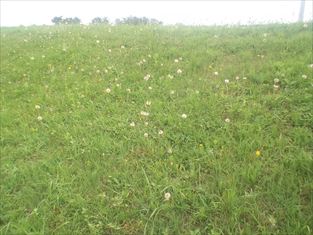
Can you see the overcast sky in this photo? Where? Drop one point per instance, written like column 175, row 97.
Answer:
column 14, row 13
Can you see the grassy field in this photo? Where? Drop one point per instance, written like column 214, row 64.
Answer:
column 157, row 130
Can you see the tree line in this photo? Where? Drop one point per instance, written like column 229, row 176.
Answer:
column 131, row 20
column 60, row 20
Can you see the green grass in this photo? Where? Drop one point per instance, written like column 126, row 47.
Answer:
column 83, row 169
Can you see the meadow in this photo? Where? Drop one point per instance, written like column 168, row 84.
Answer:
column 157, row 130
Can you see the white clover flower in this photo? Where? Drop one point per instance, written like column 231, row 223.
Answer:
column 145, row 135
column 237, row 78
column 197, row 92
column 98, row 71
column 276, row 87
column 179, row 71
column 184, row 115
column 146, row 123
column 148, row 103
column 43, row 56
column 170, row 76
column 167, row 196
column 160, row 132
column 132, row 124
column 108, row 90
column 143, row 113
column 150, row 88
column 244, row 78
column 161, row 64
column 118, row 85
column 226, row 81
column 109, row 50
column 180, row 58
column 227, row 120
column 304, row 76
column 39, row 118
column 170, row 151
column 144, row 60
column 122, row 47
column 311, row 66
column 216, row 73
column 172, row 92
column 149, row 56
column 37, row 106
column 97, row 41
column 147, row 77
column 128, row 90
column 176, row 60
column 32, row 58
column 276, row 80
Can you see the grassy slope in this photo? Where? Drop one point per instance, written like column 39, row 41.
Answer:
column 84, row 170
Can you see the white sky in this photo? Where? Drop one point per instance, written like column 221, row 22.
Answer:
column 14, row 13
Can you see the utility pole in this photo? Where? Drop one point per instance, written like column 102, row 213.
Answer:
column 301, row 13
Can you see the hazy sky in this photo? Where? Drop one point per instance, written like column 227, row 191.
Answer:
column 15, row 13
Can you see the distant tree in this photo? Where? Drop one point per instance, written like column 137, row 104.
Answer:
column 96, row 20
column 118, row 21
column 57, row 20
column 133, row 20
column 99, row 20
column 155, row 21
column 60, row 20
column 75, row 20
